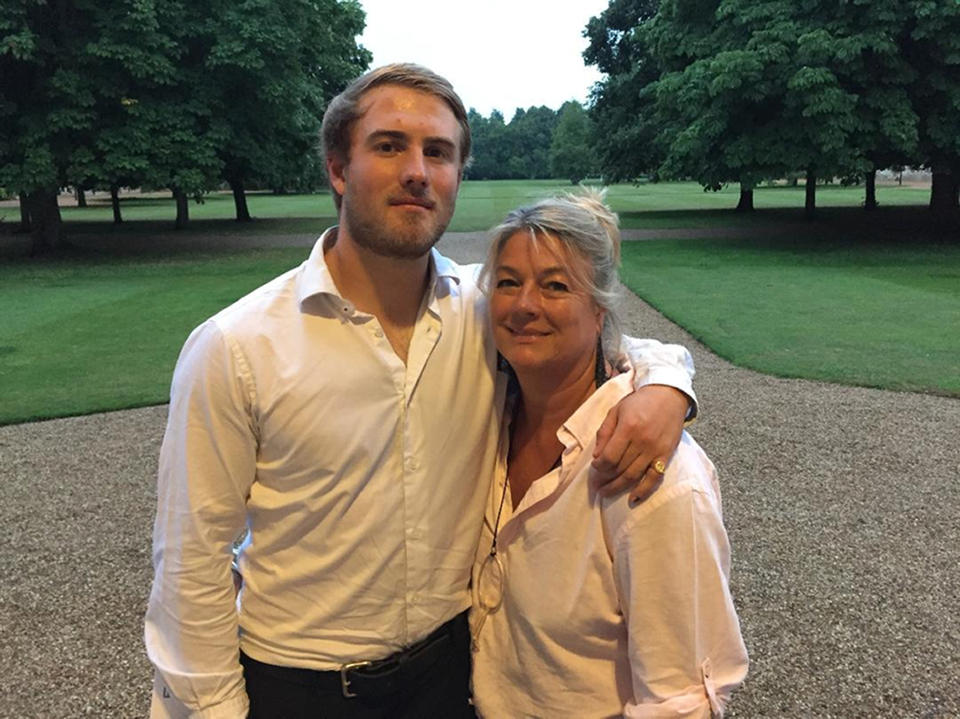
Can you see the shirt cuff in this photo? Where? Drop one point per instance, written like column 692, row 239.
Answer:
column 671, row 378
column 164, row 705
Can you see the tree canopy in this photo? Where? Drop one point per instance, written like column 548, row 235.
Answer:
column 518, row 150
column 167, row 93
column 745, row 90
column 571, row 154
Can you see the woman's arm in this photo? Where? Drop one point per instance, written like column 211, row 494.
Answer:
column 671, row 558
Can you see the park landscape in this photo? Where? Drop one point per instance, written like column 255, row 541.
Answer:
column 819, row 296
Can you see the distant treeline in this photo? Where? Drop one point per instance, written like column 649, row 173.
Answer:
column 537, row 143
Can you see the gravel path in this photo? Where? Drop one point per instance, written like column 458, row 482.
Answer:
column 842, row 505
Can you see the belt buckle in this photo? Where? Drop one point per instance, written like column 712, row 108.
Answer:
column 344, row 682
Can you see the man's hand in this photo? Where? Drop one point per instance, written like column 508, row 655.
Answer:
column 637, row 439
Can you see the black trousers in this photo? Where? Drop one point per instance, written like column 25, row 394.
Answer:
column 438, row 687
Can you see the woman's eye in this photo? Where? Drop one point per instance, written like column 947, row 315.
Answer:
column 557, row 286
column 505, row 283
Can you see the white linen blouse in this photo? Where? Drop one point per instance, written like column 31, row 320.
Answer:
column 608, row 609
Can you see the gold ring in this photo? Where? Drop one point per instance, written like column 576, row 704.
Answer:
column 659, row 466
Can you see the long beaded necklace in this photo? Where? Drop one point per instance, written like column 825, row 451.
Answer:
column 490, row 579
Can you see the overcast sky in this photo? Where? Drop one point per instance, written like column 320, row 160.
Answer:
column 501, row 54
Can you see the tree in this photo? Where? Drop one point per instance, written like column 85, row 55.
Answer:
column 866, row 55
column 761, row 99
column 518, row 150
column 165, row 93
column 736, row 90
column 530, row 134
column 45, row 106
column 621, row 105
column 571, row 155
column 488, row 145
column 271, row 67
column 931, row 45
column 68, row 69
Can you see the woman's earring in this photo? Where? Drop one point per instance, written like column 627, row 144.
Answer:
column 600, row 375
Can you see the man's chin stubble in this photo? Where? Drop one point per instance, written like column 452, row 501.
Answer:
column 407, row 244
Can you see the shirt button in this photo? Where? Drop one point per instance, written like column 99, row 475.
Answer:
column 378, row 333
column 413, row 464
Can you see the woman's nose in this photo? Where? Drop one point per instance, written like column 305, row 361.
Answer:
column 528, row 299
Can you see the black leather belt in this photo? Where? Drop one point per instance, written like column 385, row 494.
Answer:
column 380, row 677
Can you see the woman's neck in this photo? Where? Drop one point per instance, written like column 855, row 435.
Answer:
column 542, row 407
column 546, row 402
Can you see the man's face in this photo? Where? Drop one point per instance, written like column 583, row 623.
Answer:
column 400, row 184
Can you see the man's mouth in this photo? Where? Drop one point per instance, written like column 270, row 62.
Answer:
column 414, row 201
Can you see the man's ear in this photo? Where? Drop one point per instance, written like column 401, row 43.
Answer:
column 336, row 171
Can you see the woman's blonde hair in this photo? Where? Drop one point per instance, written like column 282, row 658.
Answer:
column 583, row 226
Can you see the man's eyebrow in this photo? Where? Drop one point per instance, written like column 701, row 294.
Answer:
column 386, row 135
column 445, row 141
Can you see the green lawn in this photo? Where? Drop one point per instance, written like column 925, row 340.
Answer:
column 87, row 335
column 872, row 314
column 100, row 330
column 482, row 204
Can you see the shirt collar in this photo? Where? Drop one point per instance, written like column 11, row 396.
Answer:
column 581, row 427
column 317, row 280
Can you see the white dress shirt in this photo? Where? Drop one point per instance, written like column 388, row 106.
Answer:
column 607, row 609
column 361, row 480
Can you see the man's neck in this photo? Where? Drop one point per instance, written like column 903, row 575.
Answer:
column 388, row 288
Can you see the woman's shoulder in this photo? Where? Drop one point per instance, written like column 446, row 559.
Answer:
column 690, row 477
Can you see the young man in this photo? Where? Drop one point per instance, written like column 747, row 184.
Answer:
column 344, row 413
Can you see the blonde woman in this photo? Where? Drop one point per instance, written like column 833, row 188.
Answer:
column 586, row 606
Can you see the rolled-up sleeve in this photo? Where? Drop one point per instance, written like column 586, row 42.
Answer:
column 207, row 464
column 657, row 363
column 672, row 565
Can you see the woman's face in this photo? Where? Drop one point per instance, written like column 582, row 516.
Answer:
column 543, row 319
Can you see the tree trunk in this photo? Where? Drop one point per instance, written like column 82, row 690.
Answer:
column 183, row 209
column 944, row 192
column 24, row 213
column 810, row 203
column 81, row 197
column 240, row 200
column 115, row 203
column 45, row 217
column 745, row 204
column 870, row 201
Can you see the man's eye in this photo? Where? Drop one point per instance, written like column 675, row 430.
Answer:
column 385, row 147
column 438, row 152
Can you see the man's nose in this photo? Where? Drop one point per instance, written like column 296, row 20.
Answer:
column 414, row 169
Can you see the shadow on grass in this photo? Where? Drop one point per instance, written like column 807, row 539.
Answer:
column 158, row 237
column 891, row 222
